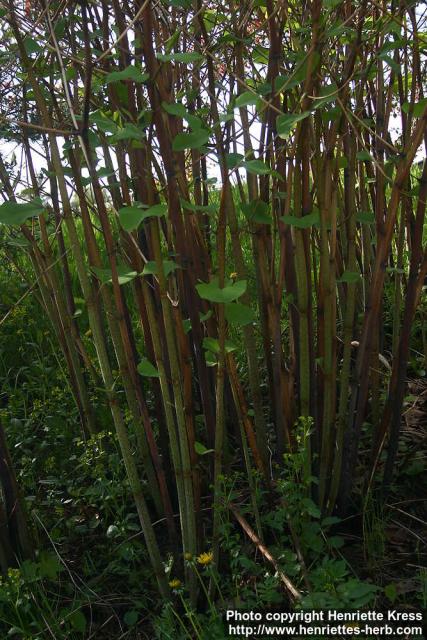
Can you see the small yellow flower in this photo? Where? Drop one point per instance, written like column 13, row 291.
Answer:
column 205, row 558
column 188, row 556
column 233, row 275
column 175, row 583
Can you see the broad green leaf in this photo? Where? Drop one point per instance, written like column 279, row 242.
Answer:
column 200, row 449
column 212, row 344
column 363, row 155
column 183, row 4
column 311, row 508
column 239, row 314
column 256, row 211
column 392, row 63
column 209, row 208
column 327, row 94
column 18, row 242
column 256, row 166
column 103, row 122
column 193, row 140
column 418, row 107
column 286, row 123
column 191, row 56
column 304, row 222
column 233, row 159
column 151, row 267
column 78, row 621
column 390, row 591
column 350, row 277
column 31, row 46
column 131, row 618
column 124, row 273
column 365, row 217
column 130, row 73
column 128, row 132
column 178, row 109
column 16, row 213
column 131, row 217
column 146, row 369
column 212, row 292
column 246, row 98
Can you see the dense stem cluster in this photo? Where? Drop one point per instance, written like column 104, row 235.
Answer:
column 228, row 188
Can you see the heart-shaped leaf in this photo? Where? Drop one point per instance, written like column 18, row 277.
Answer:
column 212, row 292
column 239, row 314
column 146, row 369
column 192, row 140
column 130, row 73
column 131, row 217
column 16, row 213
column 286, row 123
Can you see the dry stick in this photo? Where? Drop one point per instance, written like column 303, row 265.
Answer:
column 293, row 593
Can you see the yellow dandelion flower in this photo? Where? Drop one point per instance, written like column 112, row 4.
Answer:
column 233, row 275
column 175, row 583
column 205, row 558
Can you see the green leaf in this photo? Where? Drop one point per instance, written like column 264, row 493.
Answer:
column 178, row 109
column 418, row 107
column 146, row 369
column 256, row 166
column 193, row 140
column 390, row 591
column 16, row 213
column 350, row 277
column 304, row 222
column 365, row 217
column 327, row 94
column 131, row 217
column 191, row 56
column 246, row 98
column 212, row 344
column 286, row 123
column 130, row 73
column 239, row 314
column 50, row 565
column 103, row 122
column 363, row 155
column 78, row 621
column 31, row 46
column 212, row 292
column 200, row 449
column 311, row 508
column 209, row 208
column 124, row 274
column 256, row 211
column 151, row 267
column 233, row 159
column 128, row 132
column 131, row 618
